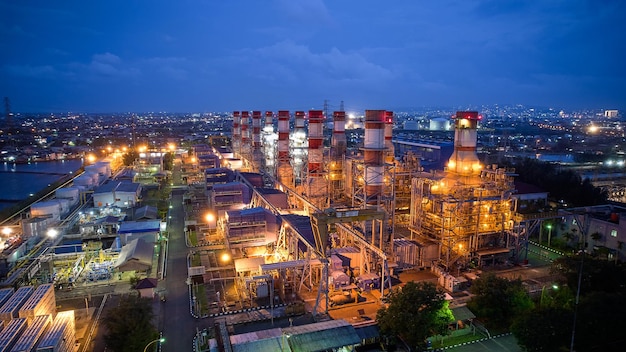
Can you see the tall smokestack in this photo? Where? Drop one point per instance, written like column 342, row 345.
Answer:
column 256, row 129
column 245, row 134
column 464, row 159
column 284, row 170
column 338, row 145
column 269, row 122
column 374, row 147
column 316, row 142
column 236, row 142
column 389, row 152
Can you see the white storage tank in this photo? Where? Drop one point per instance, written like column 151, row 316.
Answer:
column 84, row 180
column 71, row 193
column 51, row 209
column 105, row 168
column 64, row 204
column 34, row 227
column 95, row 176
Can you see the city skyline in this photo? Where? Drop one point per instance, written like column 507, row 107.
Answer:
column 221, row 56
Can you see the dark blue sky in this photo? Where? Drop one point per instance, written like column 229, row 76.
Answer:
column 203, row 55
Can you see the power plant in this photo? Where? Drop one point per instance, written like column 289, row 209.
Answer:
column 326, row 217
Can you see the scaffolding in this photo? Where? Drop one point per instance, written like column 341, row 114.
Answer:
column 470, row 216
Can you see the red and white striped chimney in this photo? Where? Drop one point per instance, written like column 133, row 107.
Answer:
column 256, row 130
column 269, row 122
column 236, row 142
column 316, row 142
column 374, row 147
column 283, row 136
column 245, row 133
column 464, row 159
column 338, row 145
column 389, row 152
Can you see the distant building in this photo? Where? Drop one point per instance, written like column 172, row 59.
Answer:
column 606, row 229
column 610, row 113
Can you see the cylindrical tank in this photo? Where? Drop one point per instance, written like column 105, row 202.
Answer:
column 50, row 209
column 84, row 180
column 34, row 227
column 71, row 193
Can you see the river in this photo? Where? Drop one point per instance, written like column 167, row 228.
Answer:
column 20, row 181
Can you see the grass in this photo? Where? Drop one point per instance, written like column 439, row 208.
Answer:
column 201, row 299
column 195, row 259
column 455, row 340
column 193, row 238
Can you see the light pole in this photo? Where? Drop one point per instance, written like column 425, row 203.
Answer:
column 554, row 287
column 549, row 227
column 160, row 340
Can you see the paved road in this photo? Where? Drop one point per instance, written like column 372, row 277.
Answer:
column 506, row 343
column 176, row 321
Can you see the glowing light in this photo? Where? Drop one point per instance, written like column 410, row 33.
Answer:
column 6, row 231
column 52, row 233
column 210, row 217
column 225, row 257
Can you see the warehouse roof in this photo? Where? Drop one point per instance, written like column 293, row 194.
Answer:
column 119, row 186
column 136, row 255
column 142, row 226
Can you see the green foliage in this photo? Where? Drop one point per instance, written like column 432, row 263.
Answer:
column 129, row 325
column 542, row 329
column 498, row 300
column 130, row 157
column 597, row 275
column 414, row 313
column 168, row 161
column 600, row 322
column 562, row 184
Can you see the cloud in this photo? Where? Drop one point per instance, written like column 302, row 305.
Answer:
column 288, row 59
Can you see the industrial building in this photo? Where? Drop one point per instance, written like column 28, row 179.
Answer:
column 338, row 219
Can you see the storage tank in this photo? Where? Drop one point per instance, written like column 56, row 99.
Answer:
column 84, row 180
column 105, row 167
column 34, row 227
column 95, row 176
column 30, row 336
column 51, row 209
column 10, row 334
column 61, row 336
column 71, row 193
column 10, row 309
column 64, row 204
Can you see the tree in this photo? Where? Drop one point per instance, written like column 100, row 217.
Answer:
column 130, row 157
column 543, row 329
column 415, row 312
column 129, row 325
column 498, row 300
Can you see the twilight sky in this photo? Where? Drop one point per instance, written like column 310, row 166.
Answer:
column 218, row 55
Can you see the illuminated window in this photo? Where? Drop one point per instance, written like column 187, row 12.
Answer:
column 613, row 233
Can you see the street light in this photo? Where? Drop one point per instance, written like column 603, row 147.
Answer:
column 160, row 340
column 549, row 227
column 554, row 287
